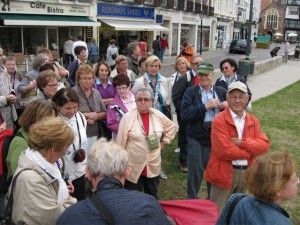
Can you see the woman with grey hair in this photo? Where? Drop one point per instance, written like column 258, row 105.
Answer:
column 27, row 86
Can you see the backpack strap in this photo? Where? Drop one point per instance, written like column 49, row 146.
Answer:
column 9, row 207
column 103, row 211
column 232, row 207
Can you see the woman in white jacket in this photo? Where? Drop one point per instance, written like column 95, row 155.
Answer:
column 112, row 53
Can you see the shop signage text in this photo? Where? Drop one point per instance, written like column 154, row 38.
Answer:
column 125, row 11
column 46, row 8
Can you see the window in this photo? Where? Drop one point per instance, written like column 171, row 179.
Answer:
column 272, row 19
column 164, row 2
column 185, row 5
column 148, row 2
column 175, row 4
column 11, row 39
column 293, row 10
column 32, row 40
column 131, row 1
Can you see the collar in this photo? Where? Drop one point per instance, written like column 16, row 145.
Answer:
column 224, row 79
column 109, row 183
column 235, row 116
column 158, row 77
column 193, row 72
column 98, row 81
column 210, row 90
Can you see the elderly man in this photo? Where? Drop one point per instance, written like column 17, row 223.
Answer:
column 134, row 52
column 107, row 168
column 200, row 104
column 179, row 87
column 236, row 139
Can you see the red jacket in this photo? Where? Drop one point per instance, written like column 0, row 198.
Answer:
column 219, row 170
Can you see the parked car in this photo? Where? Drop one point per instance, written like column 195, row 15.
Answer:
column 238, row 45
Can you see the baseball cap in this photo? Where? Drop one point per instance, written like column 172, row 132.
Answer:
column 237, row 85
column 205, row 67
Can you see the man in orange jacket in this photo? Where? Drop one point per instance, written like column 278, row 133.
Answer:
column 187, row 51
column 236, row 139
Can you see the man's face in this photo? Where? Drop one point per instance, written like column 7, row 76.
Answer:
column 237, row 100
column 137, row 51
column 195, row 62
column 10, row 66
column 205, row 80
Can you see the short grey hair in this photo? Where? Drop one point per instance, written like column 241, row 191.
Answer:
column 131, row 47
column 144, row 90
column 107, row 159
column 39, row 60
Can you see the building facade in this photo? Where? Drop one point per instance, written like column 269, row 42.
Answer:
column 292, row 21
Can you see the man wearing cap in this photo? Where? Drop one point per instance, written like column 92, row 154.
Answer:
column 200, row 104
column 236, row 139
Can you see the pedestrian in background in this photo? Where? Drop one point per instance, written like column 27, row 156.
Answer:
column 134, row 52
column 187, row 51
column 93, row 52
column 164, row 45
column 67, row 56
column 272, row 180
column 112, row 53
column 286, row 51
column 79, row 42
column 144, row 47
column 156, row 47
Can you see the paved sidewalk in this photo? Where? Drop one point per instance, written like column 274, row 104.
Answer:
column 274, row 80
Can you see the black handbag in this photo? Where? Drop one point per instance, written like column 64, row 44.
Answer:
column 167, row 111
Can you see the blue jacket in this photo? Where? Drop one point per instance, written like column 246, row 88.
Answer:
column 125, row 207
column 251, row 211
column 193, row 112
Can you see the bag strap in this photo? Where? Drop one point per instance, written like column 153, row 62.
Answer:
column 9, row 207
column 103, row 211
column 232, row 207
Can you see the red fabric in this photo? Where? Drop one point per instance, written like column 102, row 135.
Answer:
column 196, row 80
column 164, row 43
column 219, row 170
column 146, row 121
column 3, row 134
column 191, row 211
column 143, row 47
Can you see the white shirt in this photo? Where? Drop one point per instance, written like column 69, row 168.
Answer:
column 239, row 123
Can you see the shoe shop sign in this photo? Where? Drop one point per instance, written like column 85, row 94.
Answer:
column 44, row 8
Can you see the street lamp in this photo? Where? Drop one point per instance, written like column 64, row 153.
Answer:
column 201, row 15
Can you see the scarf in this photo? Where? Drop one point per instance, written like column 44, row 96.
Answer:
column 50, row 169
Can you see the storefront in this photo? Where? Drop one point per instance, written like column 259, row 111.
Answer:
column 126, row 24
column 29, row 25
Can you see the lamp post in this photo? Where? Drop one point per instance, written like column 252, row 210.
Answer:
column 201, row 15
column 248, row 50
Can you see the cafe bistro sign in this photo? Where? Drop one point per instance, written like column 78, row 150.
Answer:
column 45, row 8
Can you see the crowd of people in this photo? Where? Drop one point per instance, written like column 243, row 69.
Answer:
column 98, row 128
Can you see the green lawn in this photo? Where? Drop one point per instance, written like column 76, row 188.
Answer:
column 279, row 115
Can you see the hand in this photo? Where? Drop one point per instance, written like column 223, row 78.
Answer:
column 2, row 126
column 93, row 116
column 212, row 104
column 62, row 72
column 11, row 98
column 236, row 141
column 90, row 121
column 223, row 105
column 32, row 84
column 70, row 187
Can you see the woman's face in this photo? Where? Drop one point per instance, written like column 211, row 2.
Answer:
column 122, row 90
column 103, row 72
column 51, row 87
column 123, row 65
column 82, row 55
column 10, row 66
column 153, row 68
column 290, row 189
column 143, row 102
column 86, row 81
column 69, row 109
column 182, row 67
column 227, row 69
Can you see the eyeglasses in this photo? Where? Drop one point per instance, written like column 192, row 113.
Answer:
column 143, row 100
column 52, row 85
column 122, row 88
column 87, row 78
column 234, row 98
column 196, row 63
column 225, row 68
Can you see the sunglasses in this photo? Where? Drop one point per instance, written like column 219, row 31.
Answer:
column 143, row 100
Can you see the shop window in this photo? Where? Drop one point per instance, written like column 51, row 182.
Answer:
column 32, row 41
column 164, row 2
column 11, row 40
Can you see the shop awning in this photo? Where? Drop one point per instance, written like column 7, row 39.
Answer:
column 134, row 25
column 46, row 20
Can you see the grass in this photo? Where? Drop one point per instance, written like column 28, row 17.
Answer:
column 279, row 115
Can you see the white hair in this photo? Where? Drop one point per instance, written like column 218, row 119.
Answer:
column 107, row 159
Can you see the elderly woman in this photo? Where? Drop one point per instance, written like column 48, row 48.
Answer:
column 122, row 103
column 122, row 68
column 27, row 87
column 140, row 133
column 35, row 111
column 47, row 84
column 90, row 104
column 272, row 180
column 81, row 54
column 155, row 82
column 67, row 101
column 40, row 194
column 103, row 82
column 182, row 67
